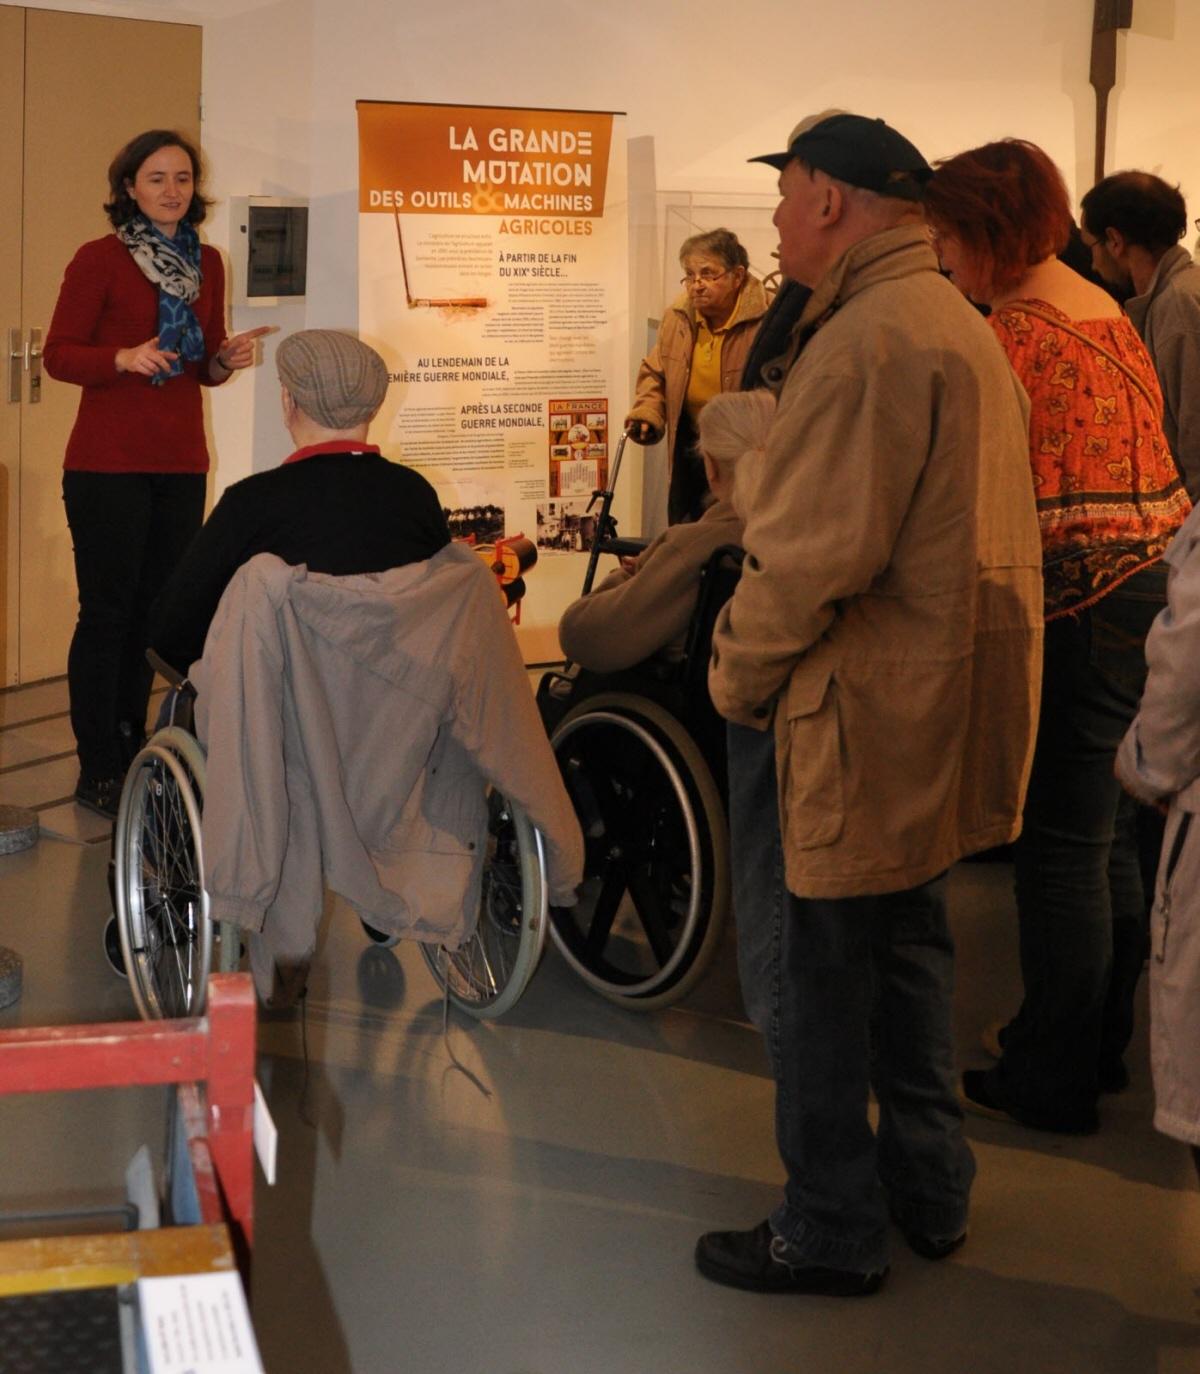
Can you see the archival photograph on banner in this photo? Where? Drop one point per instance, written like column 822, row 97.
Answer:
column 493, row 278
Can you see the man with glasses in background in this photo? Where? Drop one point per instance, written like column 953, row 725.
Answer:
column 1132, row 222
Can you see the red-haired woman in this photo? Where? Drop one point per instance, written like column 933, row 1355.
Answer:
column 1109, row 501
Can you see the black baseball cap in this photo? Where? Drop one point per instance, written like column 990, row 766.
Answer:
column 861, row 152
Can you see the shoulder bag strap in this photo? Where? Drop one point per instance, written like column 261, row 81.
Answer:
column 1024, row 306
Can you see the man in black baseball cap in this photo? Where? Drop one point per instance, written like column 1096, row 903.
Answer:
column 842, row 180
column 859, row 151
column 878, row 665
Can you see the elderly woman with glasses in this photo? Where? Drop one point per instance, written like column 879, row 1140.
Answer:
column 701, row 349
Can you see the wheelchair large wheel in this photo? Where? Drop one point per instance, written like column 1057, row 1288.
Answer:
column 656, row 867
column 227, row 937
column 486, row 976
column 162, row 908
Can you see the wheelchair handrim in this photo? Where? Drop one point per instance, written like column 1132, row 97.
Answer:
column 133, row 919
column 682, row 948
column 458, row 970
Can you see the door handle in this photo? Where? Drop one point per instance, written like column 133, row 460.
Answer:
column 16, row 358
column 34, row 364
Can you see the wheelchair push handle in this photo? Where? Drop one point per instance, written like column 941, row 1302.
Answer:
column 606, row 526
column 172, row 676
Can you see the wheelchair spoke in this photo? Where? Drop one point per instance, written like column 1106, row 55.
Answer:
column 473, row 968
column 161, row 904
column 654, row 921
column 604, row 913
column 486, row 975
column 169, row 894
column 579, row 783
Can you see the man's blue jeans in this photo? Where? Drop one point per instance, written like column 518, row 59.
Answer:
column 849, row 993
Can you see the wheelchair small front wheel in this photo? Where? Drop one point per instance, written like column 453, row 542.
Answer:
column 162, row 908
column 487, row 974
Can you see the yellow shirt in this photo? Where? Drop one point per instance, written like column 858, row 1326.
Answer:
column 704, row 380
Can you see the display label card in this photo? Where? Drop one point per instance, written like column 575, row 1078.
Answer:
column 266, row 1134
column 197, row 1324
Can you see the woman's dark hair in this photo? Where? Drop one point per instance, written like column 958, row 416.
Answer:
column 718, row 243
column 121, row 206
column 1007, row 205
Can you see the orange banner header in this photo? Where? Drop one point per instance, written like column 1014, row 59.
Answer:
column 462, row 159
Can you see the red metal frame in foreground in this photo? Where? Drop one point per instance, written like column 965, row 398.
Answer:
column 216, row 1049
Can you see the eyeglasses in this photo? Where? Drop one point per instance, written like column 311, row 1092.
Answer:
column 705, row 276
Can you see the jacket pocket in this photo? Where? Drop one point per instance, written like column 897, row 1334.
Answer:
column 812, row 792
column 1161, row 917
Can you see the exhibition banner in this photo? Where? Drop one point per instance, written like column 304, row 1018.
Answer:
column 493, row 278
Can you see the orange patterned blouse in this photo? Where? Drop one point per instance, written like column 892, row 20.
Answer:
column 1109, row 497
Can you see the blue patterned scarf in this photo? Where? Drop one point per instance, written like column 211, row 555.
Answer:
column 173, row 265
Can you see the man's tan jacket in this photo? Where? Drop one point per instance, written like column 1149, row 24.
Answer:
column 888, row 622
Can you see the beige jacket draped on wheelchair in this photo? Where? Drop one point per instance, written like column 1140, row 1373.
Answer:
column 352, row 726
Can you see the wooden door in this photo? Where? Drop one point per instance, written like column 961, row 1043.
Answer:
column 12, row 381
column 90, row 84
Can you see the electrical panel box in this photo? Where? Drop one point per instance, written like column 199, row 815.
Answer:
column 269, row 248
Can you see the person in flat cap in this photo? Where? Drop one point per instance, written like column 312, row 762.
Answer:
column 878, row 667
column 335, row 503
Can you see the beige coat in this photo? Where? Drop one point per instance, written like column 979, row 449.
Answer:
column 629, row 617
column 1159, row 761
column 889, row 615
column 662, row 379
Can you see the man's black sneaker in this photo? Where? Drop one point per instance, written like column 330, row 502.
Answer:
column 934, row 1249
column 101, row 795
column 756, row 1261
column 982, row 1095
column 1113, row 1076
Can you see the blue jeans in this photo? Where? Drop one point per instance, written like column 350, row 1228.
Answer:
column 849, row 994
column 1081, row 905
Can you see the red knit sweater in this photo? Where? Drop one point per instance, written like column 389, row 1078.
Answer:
column 125, row 424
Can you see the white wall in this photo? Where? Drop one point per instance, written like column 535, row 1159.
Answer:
column 710, row 82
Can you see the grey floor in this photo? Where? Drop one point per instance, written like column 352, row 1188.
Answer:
column 547, row 1228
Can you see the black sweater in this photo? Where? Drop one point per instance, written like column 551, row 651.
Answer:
column 338, row 513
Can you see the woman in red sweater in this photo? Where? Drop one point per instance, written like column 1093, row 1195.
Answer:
column 140, row 326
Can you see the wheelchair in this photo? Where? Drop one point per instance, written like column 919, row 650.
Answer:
column 642, row 754
column 167, row 937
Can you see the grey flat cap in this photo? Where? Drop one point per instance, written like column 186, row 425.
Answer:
column 336, row 379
